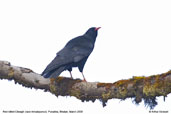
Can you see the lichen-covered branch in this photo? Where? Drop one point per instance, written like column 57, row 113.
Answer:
column 139, row 87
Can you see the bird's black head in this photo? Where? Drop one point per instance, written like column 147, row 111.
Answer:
column 92, row 33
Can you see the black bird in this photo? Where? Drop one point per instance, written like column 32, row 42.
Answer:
column 74, row 54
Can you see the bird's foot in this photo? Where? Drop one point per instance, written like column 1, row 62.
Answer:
column 52, row 80
column 84, row 80
column 72, row 78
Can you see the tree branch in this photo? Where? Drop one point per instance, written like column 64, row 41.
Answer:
column 139, row 88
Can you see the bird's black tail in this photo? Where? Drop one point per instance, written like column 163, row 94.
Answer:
column 54, row 73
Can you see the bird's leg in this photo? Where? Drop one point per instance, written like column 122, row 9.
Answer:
column 83, row 77
column 71, row 74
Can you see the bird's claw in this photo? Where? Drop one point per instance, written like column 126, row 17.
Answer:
column 84, row 80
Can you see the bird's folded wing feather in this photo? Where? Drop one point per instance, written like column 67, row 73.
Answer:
column 70, row 54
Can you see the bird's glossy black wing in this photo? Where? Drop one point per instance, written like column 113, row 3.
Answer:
column 57, row 62
column 74, row 51
column 80, row 48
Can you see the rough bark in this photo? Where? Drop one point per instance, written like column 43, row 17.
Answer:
column 139, row 88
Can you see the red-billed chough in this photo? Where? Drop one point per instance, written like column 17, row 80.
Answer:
column 74, row 54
